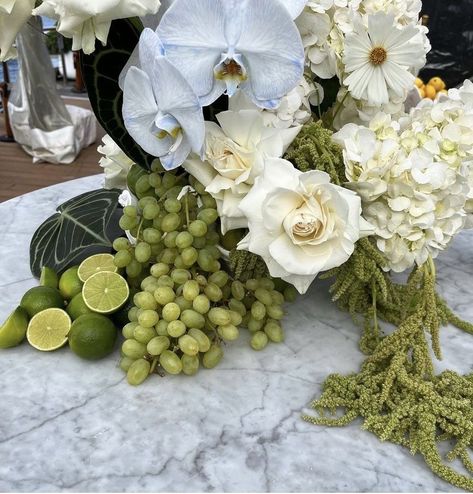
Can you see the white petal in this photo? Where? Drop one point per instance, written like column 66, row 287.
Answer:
column 295, row 7
column 177, row 156
column 201, row 170
column 10, row 25
column 278, row 204
column 193, row 36
column 272, row 48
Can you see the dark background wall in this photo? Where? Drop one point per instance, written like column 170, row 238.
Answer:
column 451, row 34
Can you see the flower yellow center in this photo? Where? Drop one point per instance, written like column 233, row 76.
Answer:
column 378, row 55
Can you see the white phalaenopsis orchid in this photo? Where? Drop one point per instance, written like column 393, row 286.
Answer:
column 161, row 111
column 86, row 20
column 13, row 15
column 222, row 45
column 295, row 7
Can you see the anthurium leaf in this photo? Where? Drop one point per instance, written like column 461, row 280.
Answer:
column 101, row 71
column 79, row 224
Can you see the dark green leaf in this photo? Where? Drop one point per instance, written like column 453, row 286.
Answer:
column 101, row 71
column 79, row 224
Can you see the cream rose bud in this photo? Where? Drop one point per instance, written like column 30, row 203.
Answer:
column 300, row 223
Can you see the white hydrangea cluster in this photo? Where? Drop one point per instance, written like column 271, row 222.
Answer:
column 414, row 176
column 294, row 110
column 324, row 24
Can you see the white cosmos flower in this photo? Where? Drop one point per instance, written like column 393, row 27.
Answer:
column 86, row 20
column 234, row 156
column 13, row 15
column 220, row 45
column 300, row 223
column 161, row 111
column 378, row 59
column 115, row 164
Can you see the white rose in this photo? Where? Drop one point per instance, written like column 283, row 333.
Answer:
column 86, row 20
column 234, row 155
column 300, row 223
column 115, row 164
column 13, row 15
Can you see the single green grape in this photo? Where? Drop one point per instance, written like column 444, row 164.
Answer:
column 235, row 318
column 156, row 166
column 213, row 292
column 121, row 243
column 134, row 269
column 145, row 300
column 264, row 296
column 291, row 294
column 164, row 295
column 205, row 260
column 171, row 312
column 157, row 345
column 162, row 328
column 154, row 179
column 198, row 228
column 259, row 341
column 128, row 330
column 130, row 211
column 179, row 263
column 258, row 310
column 151, row 211
column 201, row 304
column 170, row 239
column 208, row 215
column 122, row 259
column 165, row 281
column 277, row 298
column 169, row 180
column 176, row 329
column 219, row 316
column 183, row 303
column 127, row 223
column 138, row 372
column 152, row 236
column 254, row 325
column 133, row 314
column 191, row 290
column 228, row 332
column 266, row 283
column 237, row 306
column 168, row 256
column 184, row 240
column 212, row 357
column 142, row 185
column 202, row 339
column 275, row 312
column 144, row 201
column 252, row 284
column 170, row 362
column 189, row 256
column 180, row 276
column 170, row 222
column 143, row 252
column 133, row 349
column 238, row 290
column 148, row 318
column 125, row 363
column 220, row 278
column 208, row 201
column 160, row 269
column 143, row 334
column 199, row 242
column 188, row 345
column 274, row 332
column 193, row 319
column 213, row 238
column 190, row 365
column 172, row 205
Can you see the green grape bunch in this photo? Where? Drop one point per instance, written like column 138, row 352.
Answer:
column 186, row 307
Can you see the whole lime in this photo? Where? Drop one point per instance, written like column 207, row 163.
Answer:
column 70, row 284
column 77, row 307
column 92, row 336
column 41, row 298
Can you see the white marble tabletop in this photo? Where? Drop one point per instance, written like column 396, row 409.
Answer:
column 71, row 425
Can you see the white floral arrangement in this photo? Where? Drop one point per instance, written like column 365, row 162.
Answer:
column 244, row 183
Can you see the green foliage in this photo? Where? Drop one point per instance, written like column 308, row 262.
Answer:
column 101, row 71
column 397, row 392
column 313, row 149
column 245, row 265
column 79, row 224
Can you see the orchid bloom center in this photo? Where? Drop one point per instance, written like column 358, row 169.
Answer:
column 166, row 126
column 378, row 55
column 231, row 71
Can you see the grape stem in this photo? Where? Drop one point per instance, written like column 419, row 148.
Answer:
column 187, row 212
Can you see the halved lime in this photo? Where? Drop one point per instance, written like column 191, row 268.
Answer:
column 105, row 292
column 49, row 277
column 13, row 330
column 96, row 264
column 48, row 330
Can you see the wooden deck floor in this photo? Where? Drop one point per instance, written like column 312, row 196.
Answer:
column 18, row 174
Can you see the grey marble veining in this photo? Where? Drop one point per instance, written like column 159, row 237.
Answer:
column 70, row 425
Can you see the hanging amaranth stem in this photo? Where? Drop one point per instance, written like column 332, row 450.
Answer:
column 396, row 391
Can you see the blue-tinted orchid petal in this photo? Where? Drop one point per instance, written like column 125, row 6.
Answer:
column 161, row 111
column 219, row 45
column 295, row 7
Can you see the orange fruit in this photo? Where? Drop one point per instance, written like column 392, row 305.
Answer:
column 419, row 82
column 421, row 91
column 430, row 92
column 437, row 83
